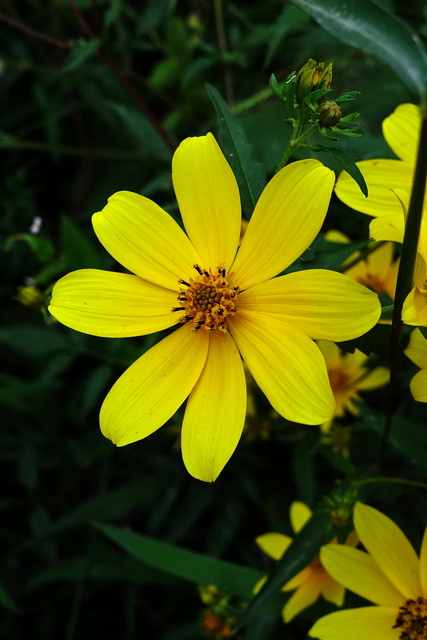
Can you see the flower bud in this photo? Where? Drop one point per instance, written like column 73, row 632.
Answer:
column 31, row 296
column 309, row 78
column 330, row 113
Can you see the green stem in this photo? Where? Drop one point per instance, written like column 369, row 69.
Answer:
column 296, row 139
column 383, row 479
column 407, row 262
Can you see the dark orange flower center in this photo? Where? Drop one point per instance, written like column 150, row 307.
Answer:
column 372, row 281
column 207, row 299
column 338, row 379
column 412, row 620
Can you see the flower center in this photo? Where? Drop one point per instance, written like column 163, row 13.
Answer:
column 338, row 379
column 412, row 620
column 207, row 299
column 372, row 281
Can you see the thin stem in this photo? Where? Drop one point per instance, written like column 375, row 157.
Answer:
column 296, row 139
column 33, row 32
column 383, row 479
column 222, row 43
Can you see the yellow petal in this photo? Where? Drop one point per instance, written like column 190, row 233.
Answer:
column 414, row 310
column 402, row 131
column 145, row 239
column 388, row 228
column 331, row 352
column 423, row 564
column 381, row 176
column 357, row 571
column 287, row 218
column 299, row 514
column 216, row 409
column 417, row 349
column 380, row 259
column 299, row 579
column 377, row 378
column 286, row 365
column 208, row 198
column 418, row 386
column 273, row 544
column 333, row 592
column 325, row 305
column 373, row 623
column 389, row 548
column 154, row 387
column 303, row 598
column 112, row 305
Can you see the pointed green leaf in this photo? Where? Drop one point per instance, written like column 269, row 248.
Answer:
column 345, row 161
column 369, row 27
column 189, row 565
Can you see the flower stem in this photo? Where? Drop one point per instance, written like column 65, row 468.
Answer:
column 384, row 479
column 296, row 139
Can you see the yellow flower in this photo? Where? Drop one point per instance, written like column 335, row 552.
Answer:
column 377, row 270
column 417, row 352
column 348, row 375
column 389, row 185
column 310, row 583
column 389, row 574
column 225, row 303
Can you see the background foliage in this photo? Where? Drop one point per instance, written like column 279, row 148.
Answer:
column 96, row 94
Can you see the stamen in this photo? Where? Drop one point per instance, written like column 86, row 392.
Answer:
column 198, row 269
column 187, row 284
column 178, row 308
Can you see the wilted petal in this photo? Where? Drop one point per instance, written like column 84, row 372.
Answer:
column 154, row 387
column 112, row 305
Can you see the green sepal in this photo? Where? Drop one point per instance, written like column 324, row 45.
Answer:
column 348, row 97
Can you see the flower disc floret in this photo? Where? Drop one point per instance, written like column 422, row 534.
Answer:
column 207, row 300
column 412, row 620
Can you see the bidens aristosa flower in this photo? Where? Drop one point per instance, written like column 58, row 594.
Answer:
column 224, row 304
column 388, row 573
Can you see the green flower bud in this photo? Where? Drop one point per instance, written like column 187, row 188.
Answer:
column 31, row 296
column 330, row 113
column 309, row 78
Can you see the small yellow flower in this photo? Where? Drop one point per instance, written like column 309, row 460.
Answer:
column 388, row 573
column 378, row 270
column 348, row 375
column 389, row 188
column 224, row 299
column 310, row 583
column 417, row 352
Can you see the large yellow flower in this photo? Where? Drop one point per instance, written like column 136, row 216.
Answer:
column 389, row 188
column 389, row 574
column 417, row 352
column 222, row 302
column 310, row 583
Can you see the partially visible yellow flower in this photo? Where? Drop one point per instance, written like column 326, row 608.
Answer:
column 225, row 301
column 348, row 375
column 310, row 583
column 338, row 438
column 389, row 188
column 31, row 296
column 378, row 270
column 417, row 352
column 388, row 573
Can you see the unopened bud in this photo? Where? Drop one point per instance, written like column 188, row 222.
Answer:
column 31, row 296
column 330, row 113
column 309, row 78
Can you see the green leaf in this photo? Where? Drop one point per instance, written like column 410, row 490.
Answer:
column 239, row 153
column 189, row 565
column 80, row 252
column 369, row 27
column 79, row 55
column 304, row 548
column 345, row 160
column 289, row 19
column 7, row 601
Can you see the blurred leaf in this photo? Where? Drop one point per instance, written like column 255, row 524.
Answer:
column 338, row 461
column 80, row 252
column 33, row 340
column 81, row 52
column 154, row 15
column 42, row 248
column 7, row 601
column 407, row 438
column 238, row 152
column 369, row 27
column 140, row 131
column 289, row 19
column 183, row 563
column 113, row 12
